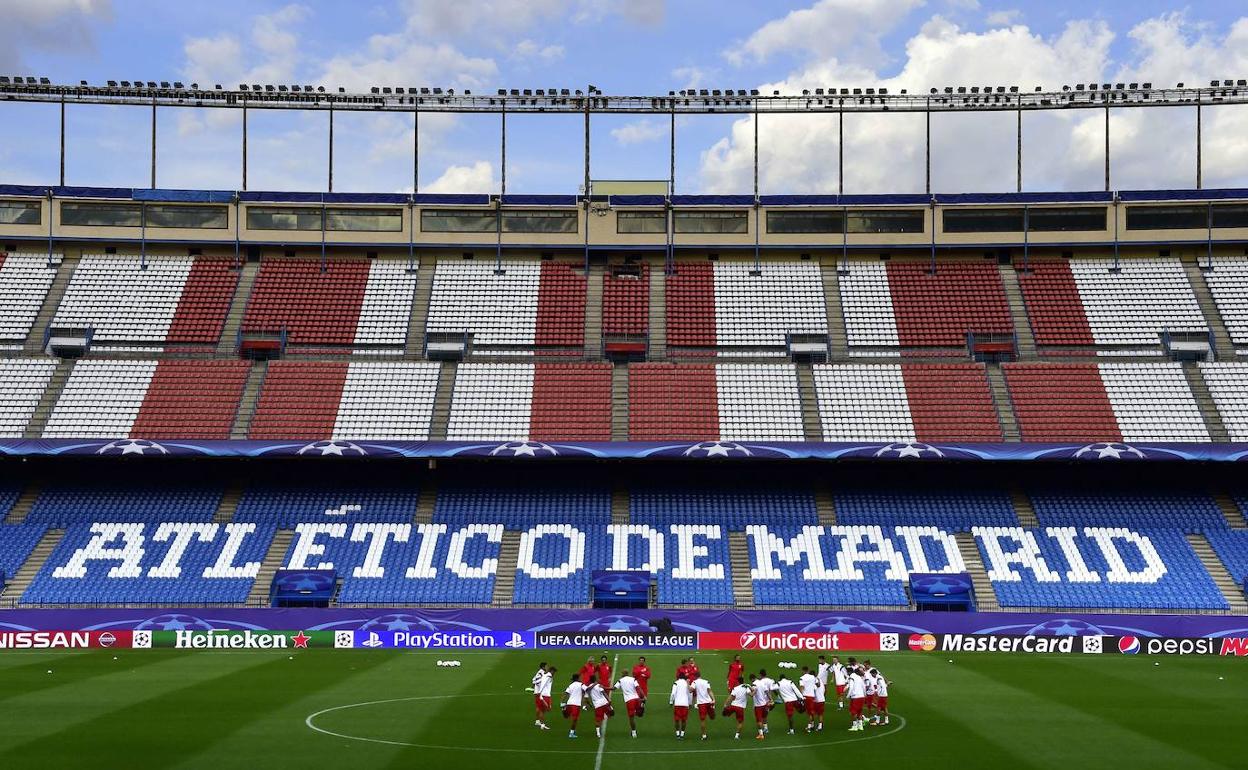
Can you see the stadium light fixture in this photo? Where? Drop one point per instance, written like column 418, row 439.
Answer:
column 111, row 83
column 46, row 82
column 164, row 84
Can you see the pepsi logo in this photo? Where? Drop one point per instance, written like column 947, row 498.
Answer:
column 1129, row 645
column 749, row 640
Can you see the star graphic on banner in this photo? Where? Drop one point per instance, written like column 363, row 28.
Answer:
column 1109, row 450
column 717, row 450
column 132, row 449
column 621, row 584
column 300, row 640
column 398, row 624
column 524, row 450
column 332, row 449
column 909, row 450
column 306, row 584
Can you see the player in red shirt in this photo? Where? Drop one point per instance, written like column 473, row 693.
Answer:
column 641, row 672
column 692, row 671
column 604, row 673
column 735, row 671
column 683, row 669
column 588, row 670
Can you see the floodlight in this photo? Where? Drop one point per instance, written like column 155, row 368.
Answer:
column 164, row 84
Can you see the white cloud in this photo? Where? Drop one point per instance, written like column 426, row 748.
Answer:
column 852, row 28
column 476, row 178
column 964, row 5
column 530, row 50
column 1003, row 18
column 692, row 77
column 639, row 131
column 48, row 25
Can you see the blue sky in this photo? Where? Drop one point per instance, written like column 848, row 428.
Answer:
column 623, row 47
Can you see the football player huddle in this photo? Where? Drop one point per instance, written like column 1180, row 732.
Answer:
column 858, row 687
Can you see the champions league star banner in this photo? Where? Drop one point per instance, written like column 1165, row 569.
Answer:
column 548, row 624
column 625, row 450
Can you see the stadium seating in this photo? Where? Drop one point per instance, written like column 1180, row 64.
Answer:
column 17, row 541
column 1228, row 385
column 160, row 299
column 1228, row 283
column 555, row 564
column 727, row 305
column 1104, row 402
column 895, row 303
column 62, row 505
column 170, row 399
column 352, row 301
column 906, row 402
column 1081, row 302
column 22, row 382
column 626, row 301
column 1186, row 512
column 285, row 505
column 529, row 303
column 1231, row 545
column 539, row 402
column 351, row 401
column 951, row 510
column 731, row 507
column 25, row 278
column 717, row 402
column 522, row 506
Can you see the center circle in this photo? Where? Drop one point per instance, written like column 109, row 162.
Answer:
column 311, row 719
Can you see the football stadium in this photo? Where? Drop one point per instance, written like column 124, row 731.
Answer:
column 627, row 473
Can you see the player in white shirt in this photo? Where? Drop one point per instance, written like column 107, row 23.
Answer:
column 600, row 699
column 573, row 700
column 868, row 686
column 630, row 688
column 542, row 682
column 740, row 696
column 881, row 697
column 808, row 683
column 820, row 704
column 792, row 697
column 822, row 670
column 856, row 690
column 840, row 678
column 704, row 698
column 762, row 686
column 679, row 700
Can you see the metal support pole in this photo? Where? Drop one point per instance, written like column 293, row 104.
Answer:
column 51, row 208
column 244, row 145
column 143, row 235
column 1106, row 148
column 757, row 230
column 238, row 262
column 324, row 259
column 331, row 149
column 1199, row 143
column 586, row 207
column 669, row 256
column 153, row 143
column 1209, row 237
column 840, row 150
column 927, row 152
column 1026, row 237
column 671, row 159
column 933, row 229
column 1018, row 150
column 498, row 213
column 411, row 237
column 416, row 151
column 1116, row 268
column 844, row 241
column 62, row 141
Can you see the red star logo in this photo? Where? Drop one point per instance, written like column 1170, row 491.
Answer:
column 300, row 640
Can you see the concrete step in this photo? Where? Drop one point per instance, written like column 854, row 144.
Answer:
column 739, row 557
column 825, row 507
column 620, row 505
column 1222, row 345
column 619, row 402
column 985, row 595
column 1230, row 511
column 593, row 310
column 1023, row 509
column 251, row 397
column 229, row 504
column 51, row 301
column 25, row 501
column 837, row 338
column 812, row 428
column 425, row 502
column 1204, row 400
column 21, row 580
column 1230, row 588
column 420, row 308
column 1018, row 311
column 47, row 402
column 658, row 311
column 228, row 344
column 1001, row 400
column 505, row 579
column 273, row 559
column 442, row 402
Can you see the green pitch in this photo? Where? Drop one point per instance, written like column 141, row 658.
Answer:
column 139, row 709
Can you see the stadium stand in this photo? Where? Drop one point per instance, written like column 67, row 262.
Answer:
column 1228, row 284
column 1232, row 548
column 522, row 506
column 24, row 282
column 22, row 382
column 951, row 510
column 1228, row 385
column 1082, row 302
column 728, row 305
column 539, row 402
column 626, row 300
column 1104, row 402
column 905, row 402
column 733, row 508
column 286, row 505
column 1186, row 512
column 16, row 543
column 715, row 402
column 128, row 300
column 340, row 400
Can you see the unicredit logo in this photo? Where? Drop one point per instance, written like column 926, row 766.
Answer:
column 748, row 639
column 790, row 641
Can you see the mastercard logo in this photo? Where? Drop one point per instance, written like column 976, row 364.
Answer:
column 922, row 642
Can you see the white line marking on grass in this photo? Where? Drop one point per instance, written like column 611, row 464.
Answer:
column 602, row 741
column 690, row 751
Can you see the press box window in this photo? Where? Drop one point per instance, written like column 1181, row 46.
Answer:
column 983, row 220
column 1066, row 220
column 452, row 221
column 641, row 222
column 711, row 222
column 539, row 221
column 798, row 222
column 187, row 217
column 283, row 219
column 19, row 213
column 365, row 220
column 101, row 214
column 1167, row 218
column 886, row 221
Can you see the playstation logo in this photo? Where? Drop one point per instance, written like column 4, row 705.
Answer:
column 516, row 640
column 373, row 640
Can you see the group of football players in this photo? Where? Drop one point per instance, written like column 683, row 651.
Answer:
column 860, row 687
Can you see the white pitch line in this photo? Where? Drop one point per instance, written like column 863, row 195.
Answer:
column 602, row 741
